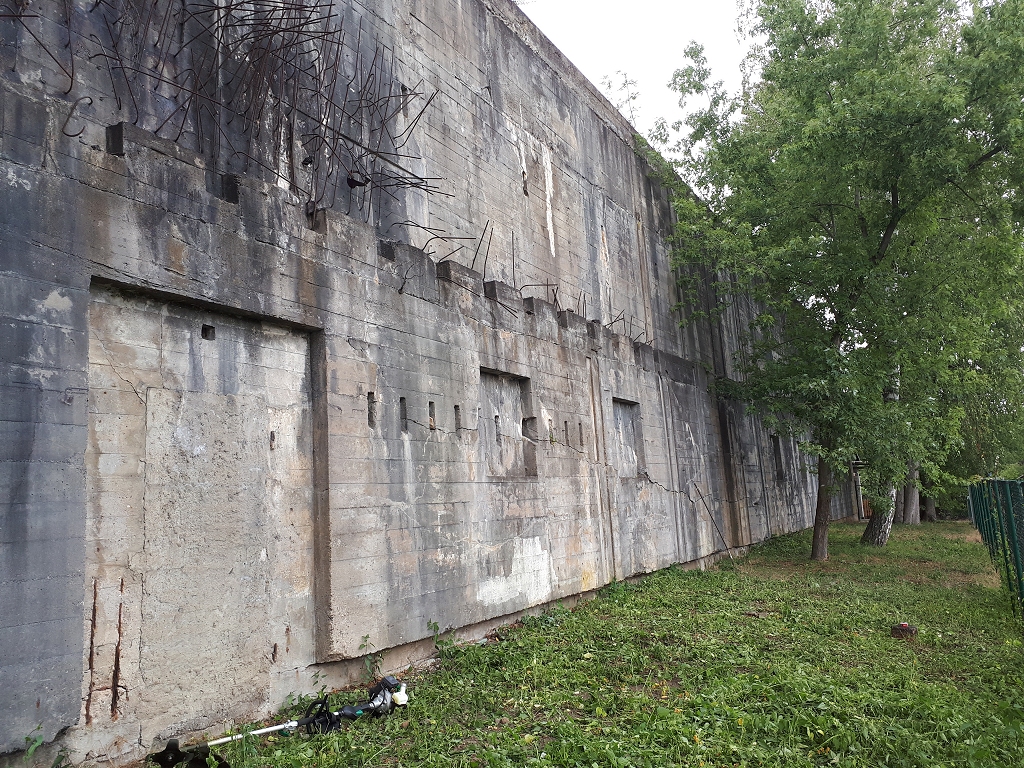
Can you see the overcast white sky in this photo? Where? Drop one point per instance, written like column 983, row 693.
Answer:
column 645, row 39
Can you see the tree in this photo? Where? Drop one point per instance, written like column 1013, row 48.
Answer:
column 865, row 192
column 991, row 438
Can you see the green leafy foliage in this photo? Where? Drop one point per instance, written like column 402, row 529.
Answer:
column 371, row 660
column 33, row 741
column 864, row 192
column 768, row 661
column 443, row 645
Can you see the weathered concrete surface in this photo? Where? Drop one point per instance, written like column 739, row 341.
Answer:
column 199, row 518
column 458, row 433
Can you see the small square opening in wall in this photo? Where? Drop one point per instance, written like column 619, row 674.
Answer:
column 229, row 188
column 209, row 332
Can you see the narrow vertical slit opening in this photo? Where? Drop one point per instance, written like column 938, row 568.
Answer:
column 430, row 415
column 371, row 410
column 780, row 467
column 403, row 414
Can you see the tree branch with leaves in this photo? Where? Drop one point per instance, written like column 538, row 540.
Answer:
column 865, row 191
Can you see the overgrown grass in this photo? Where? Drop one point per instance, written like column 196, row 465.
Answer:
column 769, row 661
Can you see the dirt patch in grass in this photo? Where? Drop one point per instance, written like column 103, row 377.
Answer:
column 949, row 529
column 802, row 568
column 916, row 571
column 785, row 571
column 931, row 573
column 973, row 536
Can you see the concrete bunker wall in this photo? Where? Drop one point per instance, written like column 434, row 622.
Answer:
column 245, row 433
column 199, row 514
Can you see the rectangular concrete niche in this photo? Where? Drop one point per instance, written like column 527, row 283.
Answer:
column 780, row 467
column 507, row 439
column 629, row 438
column 200, row 497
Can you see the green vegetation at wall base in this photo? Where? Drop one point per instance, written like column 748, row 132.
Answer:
column 768, row 661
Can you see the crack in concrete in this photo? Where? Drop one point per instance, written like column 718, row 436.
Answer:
column 118, row 373
column 115, row 676
column 92, row 654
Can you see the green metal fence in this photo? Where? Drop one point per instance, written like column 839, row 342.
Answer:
column 997, row 510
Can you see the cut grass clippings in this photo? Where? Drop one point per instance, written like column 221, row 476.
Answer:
column 769, row 661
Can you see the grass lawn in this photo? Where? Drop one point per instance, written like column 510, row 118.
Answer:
column 771, row 660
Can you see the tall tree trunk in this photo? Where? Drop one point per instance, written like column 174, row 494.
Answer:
column 880, row 524
column 823, row 511
column 901, row 497
column 929, row 510
column 912, row 498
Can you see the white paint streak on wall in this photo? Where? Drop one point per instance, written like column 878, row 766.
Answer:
column 604, row 272
column 549, row 191
column 522, row 156
column 528, row 584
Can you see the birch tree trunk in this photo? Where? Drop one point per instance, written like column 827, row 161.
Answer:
column 912, row 498
column 880, row 524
